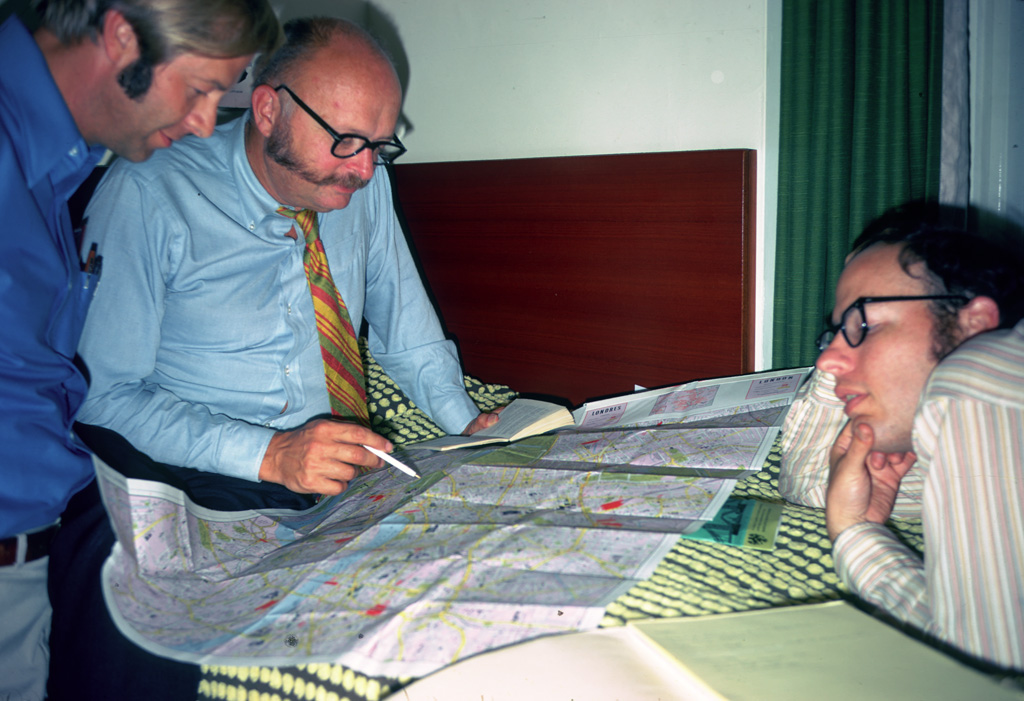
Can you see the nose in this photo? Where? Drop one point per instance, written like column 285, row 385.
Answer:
column 362, row 163
column 837, row 358
column 202, row 119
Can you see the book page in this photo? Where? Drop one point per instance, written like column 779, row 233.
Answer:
column 806, row 653
column 522, row 416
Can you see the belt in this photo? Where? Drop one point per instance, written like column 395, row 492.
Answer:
column 37, row 545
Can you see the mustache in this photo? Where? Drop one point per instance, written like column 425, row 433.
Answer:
column 349, row 181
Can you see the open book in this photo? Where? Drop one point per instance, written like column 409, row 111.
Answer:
column 830, row 650
column 521, row 418
column 795, row 653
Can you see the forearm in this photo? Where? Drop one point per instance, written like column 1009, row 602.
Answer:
column 405, row 335
column 881, row 570
column 172, row 431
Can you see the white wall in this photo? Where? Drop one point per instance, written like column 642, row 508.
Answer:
column 997, row 107
column 500, row 79
column 522, row 78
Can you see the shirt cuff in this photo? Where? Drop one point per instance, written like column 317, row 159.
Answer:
column 241, row 451
column 456, row 413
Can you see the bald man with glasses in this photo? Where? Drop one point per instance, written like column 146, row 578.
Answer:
column 203, row 343
column 916, row 409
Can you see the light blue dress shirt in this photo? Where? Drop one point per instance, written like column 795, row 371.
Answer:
column 44, row 292
column 201, row 341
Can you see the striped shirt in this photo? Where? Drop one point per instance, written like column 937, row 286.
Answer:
column 969, row 439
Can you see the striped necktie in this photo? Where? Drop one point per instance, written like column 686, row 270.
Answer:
column 343, row 365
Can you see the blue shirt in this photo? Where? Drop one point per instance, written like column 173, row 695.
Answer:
column 43, row 292
column 201, row 341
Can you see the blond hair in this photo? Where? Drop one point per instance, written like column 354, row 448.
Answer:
column 165, row 29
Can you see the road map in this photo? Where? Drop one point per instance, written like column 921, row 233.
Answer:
column 399, row 576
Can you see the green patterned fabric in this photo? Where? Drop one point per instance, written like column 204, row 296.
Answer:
column 696, row 578
column 397, row 418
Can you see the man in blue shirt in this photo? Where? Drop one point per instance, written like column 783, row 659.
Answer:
column 132, row 76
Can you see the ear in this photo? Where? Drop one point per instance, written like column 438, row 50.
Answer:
column 266, row 108
column 979, row 315
column 119, row 40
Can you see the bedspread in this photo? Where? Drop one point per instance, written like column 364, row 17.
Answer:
column 696, row 577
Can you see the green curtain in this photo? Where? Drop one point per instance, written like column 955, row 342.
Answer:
column 859, row 132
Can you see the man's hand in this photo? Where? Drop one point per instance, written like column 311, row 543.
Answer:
column 481, row 422
column 862, row 484
column 321, row 457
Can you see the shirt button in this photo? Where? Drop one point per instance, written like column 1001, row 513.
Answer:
column 252, row 226
column 287, row 370
column 73, row 152
column 289, row 309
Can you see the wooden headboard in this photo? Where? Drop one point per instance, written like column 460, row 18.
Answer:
column 580, row 277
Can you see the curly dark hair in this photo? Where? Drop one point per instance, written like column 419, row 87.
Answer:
column 957, row 261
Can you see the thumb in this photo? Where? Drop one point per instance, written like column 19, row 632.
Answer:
column 863, row 440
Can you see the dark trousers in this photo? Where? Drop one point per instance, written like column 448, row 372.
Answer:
column 89, row 657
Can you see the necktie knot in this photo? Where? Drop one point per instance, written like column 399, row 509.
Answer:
column 307, row 221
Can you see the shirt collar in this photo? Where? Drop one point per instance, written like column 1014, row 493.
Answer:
column 258, row 208
column 50, row 145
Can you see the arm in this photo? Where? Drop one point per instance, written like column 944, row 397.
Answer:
column 122, row 339
column 44, row 304
column 968, row 590
column 405, row 335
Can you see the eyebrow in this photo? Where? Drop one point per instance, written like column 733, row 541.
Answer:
column 223, row 88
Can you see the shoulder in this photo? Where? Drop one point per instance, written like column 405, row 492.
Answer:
column 186, row 160
column 37, row 127
column 987, row 368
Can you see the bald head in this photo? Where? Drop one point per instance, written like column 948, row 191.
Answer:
column 335, row 46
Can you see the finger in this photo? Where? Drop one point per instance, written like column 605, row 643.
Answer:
column 845, row 437
column 354, row 434
column 840, row 445
column 878, row 461
column 348, row 459
column 332, row 487
column 863, row 438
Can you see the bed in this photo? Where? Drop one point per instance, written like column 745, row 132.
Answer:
column 577, row 278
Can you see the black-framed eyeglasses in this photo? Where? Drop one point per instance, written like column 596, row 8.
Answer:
column 348, row 145
column 854, row 322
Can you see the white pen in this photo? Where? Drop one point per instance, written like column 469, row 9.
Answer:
column 387, row 458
